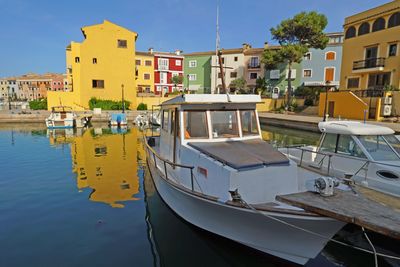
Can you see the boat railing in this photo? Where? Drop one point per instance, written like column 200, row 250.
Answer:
column 151, row 153
column 324, row 161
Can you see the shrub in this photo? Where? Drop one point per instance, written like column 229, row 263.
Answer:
column 308, row 102
column 142, row 106
column 38, row 104
column 107, row 104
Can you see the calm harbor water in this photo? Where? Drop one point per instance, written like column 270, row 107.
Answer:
column 85, row 198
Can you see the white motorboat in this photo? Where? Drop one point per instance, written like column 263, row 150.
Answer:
column 118, row 120
column 61, row 117
column 366, row 153
column 211, row 166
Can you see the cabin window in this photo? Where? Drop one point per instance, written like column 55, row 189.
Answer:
column 346, row 145
column 394, row 142
column 378, row 148
column 165, row 120
column 329, row 143
column 224, row 124
column 195, row 124
column 172, row 122
column 249, row 122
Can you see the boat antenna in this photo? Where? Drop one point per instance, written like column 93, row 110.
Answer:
column 123, row 101
column 217, row 44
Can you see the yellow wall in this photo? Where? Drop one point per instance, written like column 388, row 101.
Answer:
column 354, row 48
column 116, row 66
column 143, row 69
column 347, row 105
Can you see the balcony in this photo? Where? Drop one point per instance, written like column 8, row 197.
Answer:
column 253, row 66
column 370, row 64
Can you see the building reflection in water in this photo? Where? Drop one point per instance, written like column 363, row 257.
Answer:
column 104, row 160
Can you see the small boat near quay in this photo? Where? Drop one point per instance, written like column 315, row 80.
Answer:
column 61, row 117
column 211, row 166
column 118, row 120
column 364, row 153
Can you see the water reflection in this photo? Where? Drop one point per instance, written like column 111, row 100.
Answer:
column 104, row 160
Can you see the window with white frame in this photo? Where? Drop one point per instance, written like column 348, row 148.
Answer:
column 192, row 77
column 292, row 74
column 307, row 56
column 178, row 62
column 192, row 63
column 163, row 77
column 274, row 74
column 163, row 63
column 307, row 73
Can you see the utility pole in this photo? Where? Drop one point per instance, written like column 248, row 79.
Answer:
column 221, row 69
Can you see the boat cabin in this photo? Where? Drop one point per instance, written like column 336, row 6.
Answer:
column 360, row 140
column 220, row 136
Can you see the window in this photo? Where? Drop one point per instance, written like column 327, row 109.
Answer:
column 147, row 62
column 353, row 83
column 363, row 29
column 378, row 148
column 138, row 62
column 192, row 63
column 195, row 124
column 350, row 32
column 329, row 143
column 122, row 44
column 394, row 20
column 307, row 73
column 94, row 60
column 77, row 60
column 223, row 60
column 98, row 83
column 249, row 122
column 253, row 75
column 235, row 59
column 165, row 120
column 177, row 62
column 224, row 124
column 192, row 77
column 379, row 24
column 254, row 62
column 292, row 75
column 233, row 74
column 172, row 121
column 346, row 145
column 330, row 55
column 307, row 56
column 379, row 80
column 274, row 74
column 163, row 63
column 163, row 77
column 392, row 50
column 146, row 76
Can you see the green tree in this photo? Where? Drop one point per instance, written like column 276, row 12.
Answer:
column 295, row 36
column 261, row 84
column 176, row 80
column 238, row 84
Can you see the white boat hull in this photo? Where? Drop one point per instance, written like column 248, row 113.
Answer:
column 249, row 227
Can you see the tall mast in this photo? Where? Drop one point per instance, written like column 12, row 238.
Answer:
column 217, row 40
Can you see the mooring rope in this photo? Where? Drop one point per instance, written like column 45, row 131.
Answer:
column 323, row 236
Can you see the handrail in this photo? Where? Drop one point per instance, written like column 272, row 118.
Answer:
column 166, row 161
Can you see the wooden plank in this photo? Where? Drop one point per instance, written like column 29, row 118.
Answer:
column 372, row 210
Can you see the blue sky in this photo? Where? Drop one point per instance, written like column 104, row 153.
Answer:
column 34, row 34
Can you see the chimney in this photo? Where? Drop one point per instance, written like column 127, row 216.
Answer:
column 178, row 52
column 151, row 50
column 246, row 46
column 266, row 45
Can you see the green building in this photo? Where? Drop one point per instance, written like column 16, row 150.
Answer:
column 197, row 72
column 278, row 78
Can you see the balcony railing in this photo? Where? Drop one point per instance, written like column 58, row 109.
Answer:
column 369, row 63
column 376, row 91
column 254, row 66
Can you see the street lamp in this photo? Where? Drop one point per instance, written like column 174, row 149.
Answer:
column 327, row 83
column 123, row 100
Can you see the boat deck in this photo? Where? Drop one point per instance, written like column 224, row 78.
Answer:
column 370, row 209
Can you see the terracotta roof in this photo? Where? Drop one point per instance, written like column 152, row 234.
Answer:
column 144, row 53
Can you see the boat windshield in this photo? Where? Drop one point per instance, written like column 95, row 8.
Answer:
column 378, row 148
column 195, row 123
column 393, row 141
column 224, row 124
column 249, row 122
column 341, row 144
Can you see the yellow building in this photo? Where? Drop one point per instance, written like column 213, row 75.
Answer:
column 371, row 55
column 145, row 72
column 99, row 67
